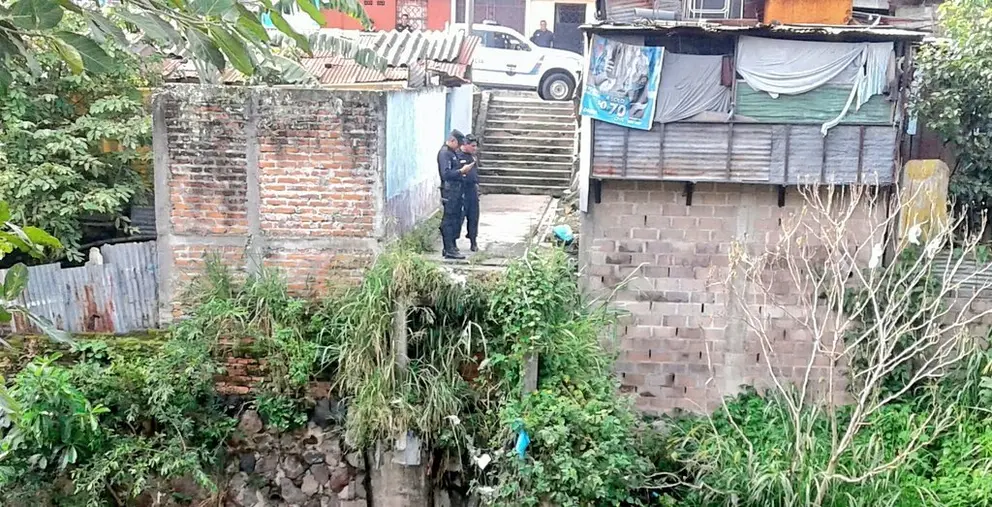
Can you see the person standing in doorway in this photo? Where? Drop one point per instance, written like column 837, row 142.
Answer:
column 404, row 24
column 543, row 37
column 446, row 157
column 470, row 189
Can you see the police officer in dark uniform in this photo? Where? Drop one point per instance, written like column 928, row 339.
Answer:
column 470, row 188
column 445, row 158
column 447, row 154
column 451, row 223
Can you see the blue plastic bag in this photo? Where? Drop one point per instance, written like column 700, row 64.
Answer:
column 563, row 233
column 523, row 439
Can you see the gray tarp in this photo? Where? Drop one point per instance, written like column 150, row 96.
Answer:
column 793, row 67
column 690, row 84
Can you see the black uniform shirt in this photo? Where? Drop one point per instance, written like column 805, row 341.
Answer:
column 445, row 159
column 472, row 176
column 543, row 38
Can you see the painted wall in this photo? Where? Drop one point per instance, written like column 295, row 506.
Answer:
column 544, row 10
column 414, row 133
column 460, row 108
column 385, row 13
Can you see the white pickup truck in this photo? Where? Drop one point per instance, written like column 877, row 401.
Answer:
column 506, row 59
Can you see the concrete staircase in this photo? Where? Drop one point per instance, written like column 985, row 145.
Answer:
column 529, row 145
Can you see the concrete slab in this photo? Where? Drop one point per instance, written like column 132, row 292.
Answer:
column 507, row 225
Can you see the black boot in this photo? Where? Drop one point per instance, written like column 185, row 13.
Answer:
column 452, row 254
column 475, row 246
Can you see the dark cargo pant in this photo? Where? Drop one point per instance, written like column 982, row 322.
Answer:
column 451, row 221
column 471, row 207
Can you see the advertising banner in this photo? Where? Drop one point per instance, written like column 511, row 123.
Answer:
column 622, row 86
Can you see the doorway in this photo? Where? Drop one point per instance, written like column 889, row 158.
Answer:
column 568, row 19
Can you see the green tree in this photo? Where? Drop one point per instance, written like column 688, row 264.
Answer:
column 216, row 34
column 69, row 145
column 953, row 96
column 33, row 242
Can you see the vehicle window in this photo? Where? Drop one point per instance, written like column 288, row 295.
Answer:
column 500, row 40
column 493, row 40
column 515, row 43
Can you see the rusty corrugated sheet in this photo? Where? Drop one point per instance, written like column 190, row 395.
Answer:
column 745, row 152
column 468, row 50
column 447, row 53
column 622, row 11
column 354, row 73
column 118, row 296
column 608, row 153
column 862, row 33
column 816, row 12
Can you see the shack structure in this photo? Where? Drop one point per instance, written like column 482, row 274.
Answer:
column 744, row 113
column 777, row 105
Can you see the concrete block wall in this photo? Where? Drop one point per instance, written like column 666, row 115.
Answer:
column 684, row 343
column 292, row 178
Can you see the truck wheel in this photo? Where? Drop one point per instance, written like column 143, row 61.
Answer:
column 557, row 86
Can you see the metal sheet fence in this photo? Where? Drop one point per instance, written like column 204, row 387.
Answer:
column 119, row 295
column 745, row 153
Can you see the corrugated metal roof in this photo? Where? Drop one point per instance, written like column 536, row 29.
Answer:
column 826, row 32
column 447, row 53
column 967, row 278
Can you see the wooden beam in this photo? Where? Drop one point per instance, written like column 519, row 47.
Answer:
column 861, row 152
column 788, row 142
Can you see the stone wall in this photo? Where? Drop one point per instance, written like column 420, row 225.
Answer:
column 292, row 178
column 684, row 344
column 306, row 467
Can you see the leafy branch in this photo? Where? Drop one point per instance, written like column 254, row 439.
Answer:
column 216, row 34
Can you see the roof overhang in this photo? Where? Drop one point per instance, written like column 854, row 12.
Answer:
column 845, row 33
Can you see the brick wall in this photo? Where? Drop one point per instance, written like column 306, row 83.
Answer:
column 684, row 344
column 289, row 178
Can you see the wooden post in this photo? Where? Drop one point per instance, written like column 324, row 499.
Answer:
column 398, row 475
column 402, row 359
column 530, row 373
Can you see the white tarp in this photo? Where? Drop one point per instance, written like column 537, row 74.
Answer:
column 690, row 84
column 792, row 67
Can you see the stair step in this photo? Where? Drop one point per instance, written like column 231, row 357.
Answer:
column 528, row 164
column 500, row 188
column 513, row 132
column 538, row 106
column 532, row 117
column 546, row 148
column 493, row 153
column 536, row 171
column 513, row 136
column 535, row 124
column 517, row 99
column 558, row 179
column 514, row 178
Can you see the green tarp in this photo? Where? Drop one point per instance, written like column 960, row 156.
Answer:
column 813, row 107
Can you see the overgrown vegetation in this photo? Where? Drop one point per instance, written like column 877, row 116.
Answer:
column 108, row 426
column 70, row 146
column 105, row 425
column 953, row 98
